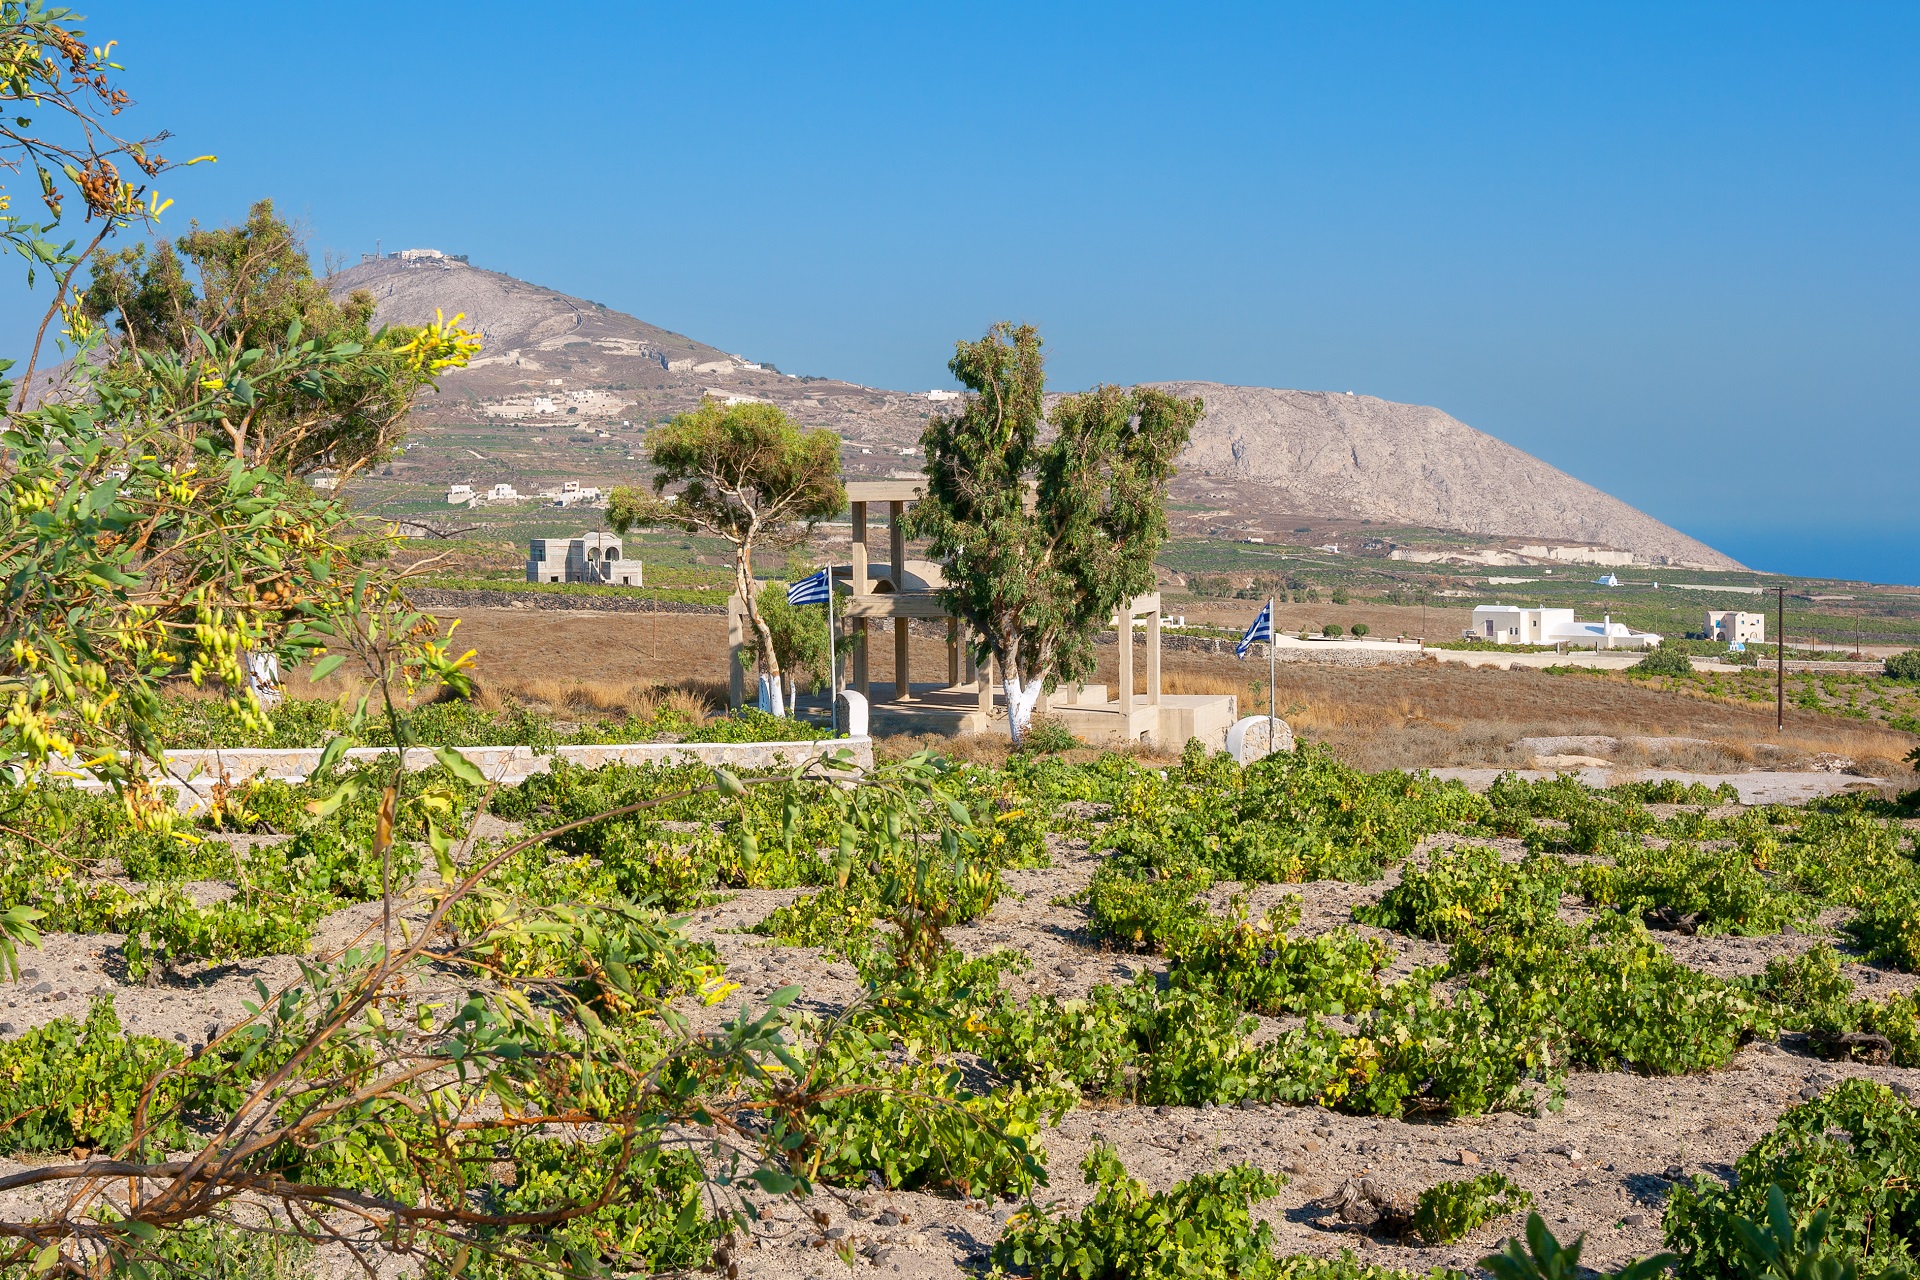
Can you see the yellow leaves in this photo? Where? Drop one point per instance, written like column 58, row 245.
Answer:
column 441, row 345
column 715, row 989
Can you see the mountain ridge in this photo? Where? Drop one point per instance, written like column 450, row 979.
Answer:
column 1264, row 451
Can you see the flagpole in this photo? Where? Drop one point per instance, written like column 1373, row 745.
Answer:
column 833, row 660
column 1273, row 668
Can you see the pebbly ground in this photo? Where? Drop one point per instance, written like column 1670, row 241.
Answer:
column 1601, row 1166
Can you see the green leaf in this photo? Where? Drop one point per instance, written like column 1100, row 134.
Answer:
column 460, row 767
column 326, row 667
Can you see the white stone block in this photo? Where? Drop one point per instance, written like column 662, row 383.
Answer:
column 1249, row 739
column 852, row 712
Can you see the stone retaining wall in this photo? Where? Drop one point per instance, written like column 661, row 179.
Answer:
column 194, row 773
column 448, row 598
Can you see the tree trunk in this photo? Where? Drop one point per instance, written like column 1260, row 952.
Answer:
column 1022, row 696
column 763, row 634
column 1021, row 700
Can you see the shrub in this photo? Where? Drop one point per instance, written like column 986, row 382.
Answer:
column 1450, row 1210
column 1203, row 1227
column 1663, row 661
column 70, row 1084
column 1047, row 735
column 1853, row 1152
column 1888, row 926
column 1360, row 629
column 1331, row 629
column 1469, row 889
column 1904, row 666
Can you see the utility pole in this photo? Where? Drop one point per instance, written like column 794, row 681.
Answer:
column 1780, row 662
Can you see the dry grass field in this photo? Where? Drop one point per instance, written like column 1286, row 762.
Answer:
column 1405, row 716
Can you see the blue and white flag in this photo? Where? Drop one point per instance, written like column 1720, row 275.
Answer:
column 812, row 590
column 1262, row 629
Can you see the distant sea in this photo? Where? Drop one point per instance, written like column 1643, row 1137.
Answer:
column 1887, row 554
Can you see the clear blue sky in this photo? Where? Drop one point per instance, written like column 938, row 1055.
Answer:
column 1669, row 248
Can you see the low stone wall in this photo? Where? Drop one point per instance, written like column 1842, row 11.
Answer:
column 448, row 598
column 1332, row 653
column 194, row 773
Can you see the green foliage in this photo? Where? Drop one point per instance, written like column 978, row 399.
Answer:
column 1256, row 965
column 1447, row 1211
column 1779, row 1248
column 746, row 473
column 1904, row 666
column 1038, row 572
column 799, row 637
column 1201, row 1229
column 1846, row 1163
column 1888, row 925
column 1545, row 1258
column 1332, row 629
column 653, row 1216
column 1469, row 888
column 1048, row 736
column 68, row 1084
column 1299, row 815
column 1662, row 660
column 1359, row 629
column 1720, row 889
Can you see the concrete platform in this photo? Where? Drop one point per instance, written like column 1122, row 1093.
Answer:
column 952, row 711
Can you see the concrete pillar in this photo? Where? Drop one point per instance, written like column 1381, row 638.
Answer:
column 1125, row 620
column 953, row 652
column 897, row 544
column 860, row 641
column 897, row 554
column 902, row 665
column 1153, row 657
column 860, row 585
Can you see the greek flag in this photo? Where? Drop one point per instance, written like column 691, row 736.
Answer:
column 1262, row 629
column 811, row 590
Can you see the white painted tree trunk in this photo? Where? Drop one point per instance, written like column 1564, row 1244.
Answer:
column 1021, row 700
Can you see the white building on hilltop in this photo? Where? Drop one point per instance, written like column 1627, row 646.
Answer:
column 461, row 495
column 1510, row 624
column 1737, row 628
column 586, row 557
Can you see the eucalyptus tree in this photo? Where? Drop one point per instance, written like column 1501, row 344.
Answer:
column 746, row 473
column 1042, row 538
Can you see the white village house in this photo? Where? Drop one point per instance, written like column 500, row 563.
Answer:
column 585, row 557
column 1511, row 624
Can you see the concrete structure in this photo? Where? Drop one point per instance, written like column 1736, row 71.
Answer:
column 586, row 557
column 1736, row 627
column 1510, row 624
column 970, row 699
column 461, row 495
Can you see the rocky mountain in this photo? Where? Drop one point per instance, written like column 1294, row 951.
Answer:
column 564, row 385
column 1320, row 453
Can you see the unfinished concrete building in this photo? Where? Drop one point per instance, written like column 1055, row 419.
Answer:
column 585, row 557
